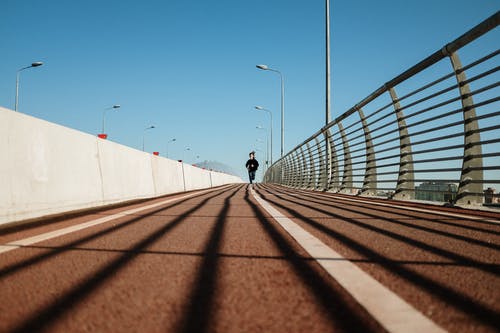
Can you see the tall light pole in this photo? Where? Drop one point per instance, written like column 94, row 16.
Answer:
column 173, row 140
column 270, row 128
column 267, row 141
column 263, row 171
column 266, row 68
column 35, row 64
column 116, row 106
column 328, row 115
column 144, row 134
column 328, row 111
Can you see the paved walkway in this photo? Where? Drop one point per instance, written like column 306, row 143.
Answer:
column 261, row 259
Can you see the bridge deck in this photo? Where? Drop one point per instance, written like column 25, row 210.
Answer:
column 267, row 259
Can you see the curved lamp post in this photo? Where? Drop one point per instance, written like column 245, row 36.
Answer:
column 262, row 171
column 266, row 68
column 116, row 106
column 267, row 142
column 327, row 76
column 270, row 128
column 144, row 134
column 35, row 64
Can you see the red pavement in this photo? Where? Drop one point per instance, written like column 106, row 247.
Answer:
column 217, row 262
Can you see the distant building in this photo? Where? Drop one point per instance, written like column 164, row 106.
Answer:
column 436, row 191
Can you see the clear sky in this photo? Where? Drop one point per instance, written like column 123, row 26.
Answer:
column 188, row 67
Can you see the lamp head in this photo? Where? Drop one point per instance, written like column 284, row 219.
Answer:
column 263, row 67
column 116, row 106
column 259, row 107
column 36, row 64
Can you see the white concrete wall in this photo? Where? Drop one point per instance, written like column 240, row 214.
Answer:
column 49, row 169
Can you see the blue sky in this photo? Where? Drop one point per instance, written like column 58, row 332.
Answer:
column 188, row 67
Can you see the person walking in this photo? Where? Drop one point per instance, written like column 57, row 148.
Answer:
column 252, row 166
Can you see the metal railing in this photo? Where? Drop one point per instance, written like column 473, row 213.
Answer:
column 431, row 133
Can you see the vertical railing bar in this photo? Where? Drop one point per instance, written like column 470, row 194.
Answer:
column 370, row 178
column 467, row 190
column 321, row 165
column 304, row 168
column 405, row 188
column 311, row 170
column 347, row 169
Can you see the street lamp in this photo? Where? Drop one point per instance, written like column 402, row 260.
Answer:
column 35, row 64
column 173, row 140
column 270, row 127
column 144, row 134
column 116, row 106
column 183, row 153
column 266, row 68
column 267, row 141
column 327, row 76
column 262, row 170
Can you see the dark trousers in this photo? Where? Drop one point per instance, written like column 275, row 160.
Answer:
column 251, row 175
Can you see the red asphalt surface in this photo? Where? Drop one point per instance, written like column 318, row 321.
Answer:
column 217, row 262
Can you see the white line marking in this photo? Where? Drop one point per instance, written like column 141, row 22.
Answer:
column 56, row 233
column 422, row 210
column 392, row 312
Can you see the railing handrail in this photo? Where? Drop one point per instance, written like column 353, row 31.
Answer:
column 489, row 24
column 428, row 117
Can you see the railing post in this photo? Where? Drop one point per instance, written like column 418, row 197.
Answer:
column 326, row 172
column 321, row 165
column 312, row 171
column 303, row 177
column 370, row 181
column 405, row 188
column 275, row 173
column 285, row 171
column 297, row 170
column 280, row 172
column 288, row 172
column 289, row 175
column 334, row 164
column 346, row 185
column 292, row 170
column 470, row 189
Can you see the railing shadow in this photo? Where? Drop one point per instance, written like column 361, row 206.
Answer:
column 236, row 256
column 201, row 301
column 55, row 251
column 453, row 256
column 42, row 319
column 459, row 301
column 351, row 317
column 330, row 197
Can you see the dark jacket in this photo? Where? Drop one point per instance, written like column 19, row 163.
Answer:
column 252, row 165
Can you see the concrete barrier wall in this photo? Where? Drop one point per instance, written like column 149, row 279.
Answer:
column 49, row 169
column 218, row 178
column 167, row 175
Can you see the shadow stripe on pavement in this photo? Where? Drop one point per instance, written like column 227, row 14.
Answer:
column 394, row 314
